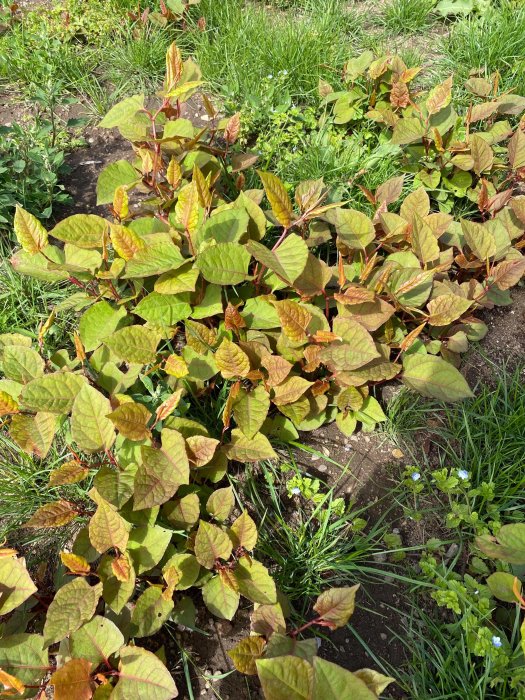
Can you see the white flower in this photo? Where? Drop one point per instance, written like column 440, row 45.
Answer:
column 463, row 474
column 416, row 476
column 270, row 76
column 496, row 642
column 296, row 491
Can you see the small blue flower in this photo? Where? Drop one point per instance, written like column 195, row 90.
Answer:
column 296, row 491
column 463, row 474
column 416, row 476
column 496, row 642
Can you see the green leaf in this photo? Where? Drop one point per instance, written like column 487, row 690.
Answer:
column 447, row 308
column 23, row 656
column 99, row 322
column 243, row 449
column 454, row 7
column 286, row 678
column 250, row 410
column 34, row 434
column 118, row 174
column 160, row 474
column 16, row 585
column 243, row 532
column 424, row 243
column 131, row 420
column 143, row 675
column 354, row 228
column 408, row 130
column 433, row 377
column 255, row 583
column 224, row 263
column 226, row 226
column 178, row 281
column 115, row 485
column 287, row 261
column 479, row 238
column 29, row 232
column 183, row 513
column 221, row 600
column 107, row 528
column 53, row 393
column 509, row 545
column 122, row 112
column 332, row 682
column 336, row 605
column 90, row 428
column 73, row 605
column 96, row 641
column 146, row 546
column 134, row 344
column 150, row 612
column 501, row 585
column 211, row 544
column 155, row 259
column 282, row 645
column 162, row 309
column 278, row 198
column 187, row 567
column 84, row 230
column 220, row 504
column 517, row 149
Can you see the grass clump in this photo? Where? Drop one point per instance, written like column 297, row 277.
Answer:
column 407, row 16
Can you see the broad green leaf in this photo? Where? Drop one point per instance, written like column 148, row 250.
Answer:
column 411, row 286
column 178, row 281
column 122, row 112
column 115, row 485
column 163, row 309
column 509, row 545
column 131, row 420
column 154, row 259
column 354, row 228
column 243, row 532
column 439, row 97
column 220, row 504
column 290, row 390
column 52, row 393
column 126, row 243
column 90, row 428
column 517, row 149
column 254, row 581
column 259, row 314
column 29, row 232
column 96, row 641
column 107, row 528
column 332, row 682
column 183, row 513
column 280, row 644
column 84, row 230
column 346, row 356
column 433, row 377
column 73, row 605
column 242, row 449
column 224, row 263
column 23, row 655
column 245, row 653
column 211, row 544
column 150, row 612
column 294, row 319
column 227, row 226
column 231, row 360
column 278, row 198
column 160, row 474
column 250, row 409
column 286, row 678
column 346, row 422
column 187, row 568
column 118, row 174
column 481, row 153
column 99, row 322
column 408, row 130
column 146, row 546
column 40, row 267
column 134, row 344
column 16, row 585
column 374, row 681
column 447, row 308
column 34, row 434
column 336, row 605
column 501, row 585
column 269, row 620
column 221, row 600
column 143, row 675
column 287, row 261
column 479, row 239
column 424, row 242
column 115, row 593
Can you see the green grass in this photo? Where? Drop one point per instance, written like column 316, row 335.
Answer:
column 484, row 435
column 442, row 667
column 407, row 16
column 491, row 42
column 244, row 43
